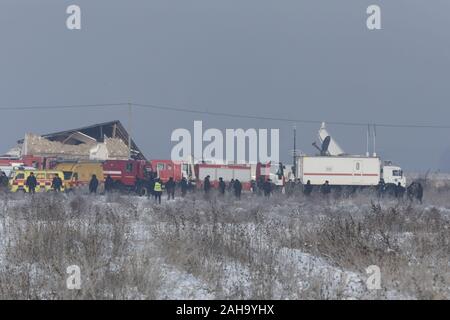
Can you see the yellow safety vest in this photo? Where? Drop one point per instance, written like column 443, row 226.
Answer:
column 157, row 187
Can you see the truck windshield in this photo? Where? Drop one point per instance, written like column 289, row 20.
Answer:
column 397, row 173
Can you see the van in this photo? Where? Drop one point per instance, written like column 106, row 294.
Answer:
column 80, row 173
column 44, row 179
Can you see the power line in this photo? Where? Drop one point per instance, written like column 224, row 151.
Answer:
column 292, row 120
column 221, row 114
column 53, row 107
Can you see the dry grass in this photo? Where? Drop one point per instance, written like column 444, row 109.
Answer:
column 278, row 248
column 44, row 235
column 410, row 244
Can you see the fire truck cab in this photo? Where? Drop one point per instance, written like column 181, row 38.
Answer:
column 129, row 175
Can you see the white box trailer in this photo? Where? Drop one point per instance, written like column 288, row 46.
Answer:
column 339, row 170
column 227, row 172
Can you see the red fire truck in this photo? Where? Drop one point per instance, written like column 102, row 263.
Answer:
column 29, row 161
column 131, row 175
column 166, row 169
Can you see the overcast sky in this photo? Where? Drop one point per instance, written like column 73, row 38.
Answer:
column 303, row 59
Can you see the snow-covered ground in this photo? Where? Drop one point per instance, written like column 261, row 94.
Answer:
column 128, row 247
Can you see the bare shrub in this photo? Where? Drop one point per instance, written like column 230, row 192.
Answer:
column 46, row 234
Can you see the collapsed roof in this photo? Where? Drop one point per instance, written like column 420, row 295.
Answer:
column 93, row 134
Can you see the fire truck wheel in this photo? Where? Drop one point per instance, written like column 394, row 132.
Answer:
column 142, row 191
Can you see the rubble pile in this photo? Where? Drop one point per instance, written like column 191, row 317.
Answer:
column 112, row 148
column 37, row 145
column 117, row 149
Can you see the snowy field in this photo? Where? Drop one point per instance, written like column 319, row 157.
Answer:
column 128, row 247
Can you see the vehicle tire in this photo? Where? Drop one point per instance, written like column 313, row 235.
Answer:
column 141, row 191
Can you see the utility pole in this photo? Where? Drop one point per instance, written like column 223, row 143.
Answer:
column 129, row 129
column 367, row 142
column 294, row 169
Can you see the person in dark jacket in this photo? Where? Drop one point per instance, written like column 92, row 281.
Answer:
column 307, row 188
column 237, row 186
column 170, row 188
column 410, row 191
column 184, row 186
column 222, row 186
column 150, row 186
column 260, row 185
column 31, row 183
column 93, row 184
column 415, row 191
column 290, row 187
column 206, row 185
column 253, row 186
column 419, row 192
column 3, row 180
column 230, row 185
column 57, row 183
column 325, row 189
column 267, row 187
column 381, row 188
column 109, row 183
column 399, row 191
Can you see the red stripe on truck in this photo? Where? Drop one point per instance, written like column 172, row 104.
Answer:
column 342, row 174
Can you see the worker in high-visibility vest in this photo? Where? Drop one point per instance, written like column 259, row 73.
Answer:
column 157, row 190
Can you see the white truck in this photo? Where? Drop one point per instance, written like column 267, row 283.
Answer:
column 340, row 169
column 347, row 171
column 226, row 172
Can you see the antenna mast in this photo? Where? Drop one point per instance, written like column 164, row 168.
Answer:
column 129, row 130
column 294, row 169
column 374, row 140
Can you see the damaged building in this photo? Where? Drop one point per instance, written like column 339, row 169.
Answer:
column 109, row 140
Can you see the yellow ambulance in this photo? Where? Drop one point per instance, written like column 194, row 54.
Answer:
column 44, row 178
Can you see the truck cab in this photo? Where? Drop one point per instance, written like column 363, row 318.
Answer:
column 393, row 174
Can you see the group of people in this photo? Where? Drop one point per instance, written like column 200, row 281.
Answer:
column 155, row 187
column 413, row 192
column 234, row 185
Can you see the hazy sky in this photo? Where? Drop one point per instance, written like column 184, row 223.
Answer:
column 303, row 59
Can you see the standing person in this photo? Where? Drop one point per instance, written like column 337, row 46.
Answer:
column 109, row 183
column 3, row 180
column 237, row 185
column 184, row 186
column 170, row 187
column 222, row 186
column 31, row 183
column 307, row 189
column 411, row 191
column 381, row 188
column 230, row 185
column 260, row 184
column 419, row 192
column 399, row 191
column 290, row 187
column 150, row 186
column 267, row 187
column 326, row 188
column 57, row 183
column 253, row 186
column 206, row 185
column 93, row 184
column 191, row 186
column 157, row 190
